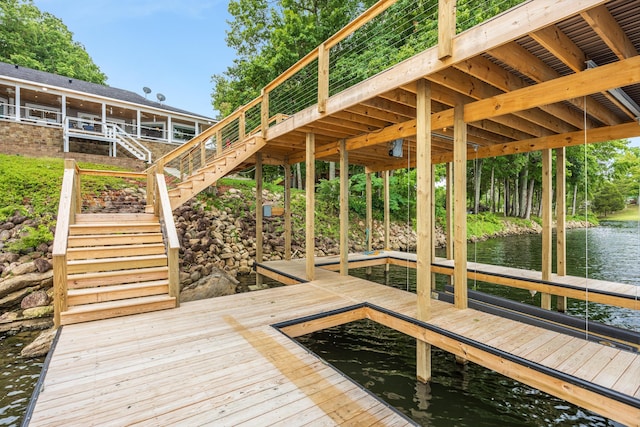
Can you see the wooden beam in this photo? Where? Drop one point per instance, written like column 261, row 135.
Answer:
column 622, row 73
column 561, row 216
column 264, row 114
column 287, row 211
column 344, row 209
column 546, row 224
column 531, row 66
column 448, row 232
column 446, row 27
column 460, row 208
column 310, row 210
column 608, row 133
column 605, row 25
column 259, row 215
column 561, row 46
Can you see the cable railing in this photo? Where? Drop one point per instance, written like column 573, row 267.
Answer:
column 382, row 36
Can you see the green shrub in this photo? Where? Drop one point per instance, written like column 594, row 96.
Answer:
column 31, row 238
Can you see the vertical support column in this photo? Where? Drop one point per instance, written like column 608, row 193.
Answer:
column 449, row 207
column 311, row 205
column 323, row 77
column 344, row 209
column 546, row 224
column 460, row 207
column 424, row 226
column 561, row 216
column 446, row 27
column 369, row 216
column 169, row 130
column 17, row 102
column 432, row 232
column 287, row 211
column 203, row 152
column 63, row 109
column 387, row 211
column 259, row 236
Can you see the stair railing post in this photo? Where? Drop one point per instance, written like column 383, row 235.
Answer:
column 151, row 187
column 323, row 77
column 241, row 126
column 264, row 113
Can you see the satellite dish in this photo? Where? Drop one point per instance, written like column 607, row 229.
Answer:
column 160, row 97
column 146, row 91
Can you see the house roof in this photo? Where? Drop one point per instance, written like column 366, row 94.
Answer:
column 68, row 83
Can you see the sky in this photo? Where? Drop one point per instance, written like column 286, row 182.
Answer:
column 170, row 46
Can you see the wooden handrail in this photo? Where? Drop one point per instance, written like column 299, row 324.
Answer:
column 115, row 174
column 340, row 35
column 171, row 235
column 66, row 217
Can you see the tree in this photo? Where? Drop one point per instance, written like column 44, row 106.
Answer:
column 608, row 200
column 33, row 39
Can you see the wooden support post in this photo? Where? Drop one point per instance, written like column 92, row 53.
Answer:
column 424, row 225
column 546, row 224
column 344, row 209
column 323, row 77
column 460, row 207
column 218, row 142
column 287, row 211
column 369, row 216
column 310, row 211
column 448, row 231
column 259, row 236
column 151, row 188
column 387, row 211
column 446, row 27
column 241, row 126
column 561, row 216
column 432, row 232
column 264, row 114
column 203, row 153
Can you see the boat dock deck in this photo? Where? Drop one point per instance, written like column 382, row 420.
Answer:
column 222, row 361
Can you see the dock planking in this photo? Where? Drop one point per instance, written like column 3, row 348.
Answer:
column 221, row 361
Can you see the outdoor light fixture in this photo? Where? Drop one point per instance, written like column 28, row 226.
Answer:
column 396, row 148
column 620, row 95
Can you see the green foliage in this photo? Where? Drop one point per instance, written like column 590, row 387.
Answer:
column 31, row 238
column 609, row 199
column 33, row 39
column 483, row 225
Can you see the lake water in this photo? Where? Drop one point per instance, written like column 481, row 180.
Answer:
column 383, row 360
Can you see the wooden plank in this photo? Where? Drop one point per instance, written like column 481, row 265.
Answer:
column 116, row 250
column 88, row 280
column 114, row 228
column 323, row 77
column 122, row 263
column 287, row 211
column 310, row 326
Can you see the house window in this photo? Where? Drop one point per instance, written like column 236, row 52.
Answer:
column 183, row 132
column 42, row 113
column 153, row 130
column 4, row 108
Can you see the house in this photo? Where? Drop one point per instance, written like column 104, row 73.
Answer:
column 44, row 114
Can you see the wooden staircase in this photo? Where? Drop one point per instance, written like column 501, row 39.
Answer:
column 116, row 266
column 223, row 164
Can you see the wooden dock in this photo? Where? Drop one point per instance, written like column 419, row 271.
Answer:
column 221, row 361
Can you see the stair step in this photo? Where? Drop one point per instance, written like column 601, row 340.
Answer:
column 109, row 309
column 116, row 292
column 120, row 263
column 107, row 278
column 115, row 217
column 114, row 228
column 90, row 240
column 97, row 252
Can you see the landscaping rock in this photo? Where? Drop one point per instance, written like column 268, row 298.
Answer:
column 14, row 283
column 41, row 345
column 37, row 312
column 35, row 299
column 216, row 284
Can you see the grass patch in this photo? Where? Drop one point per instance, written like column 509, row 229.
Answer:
column 630, row 213
column 31, row 186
